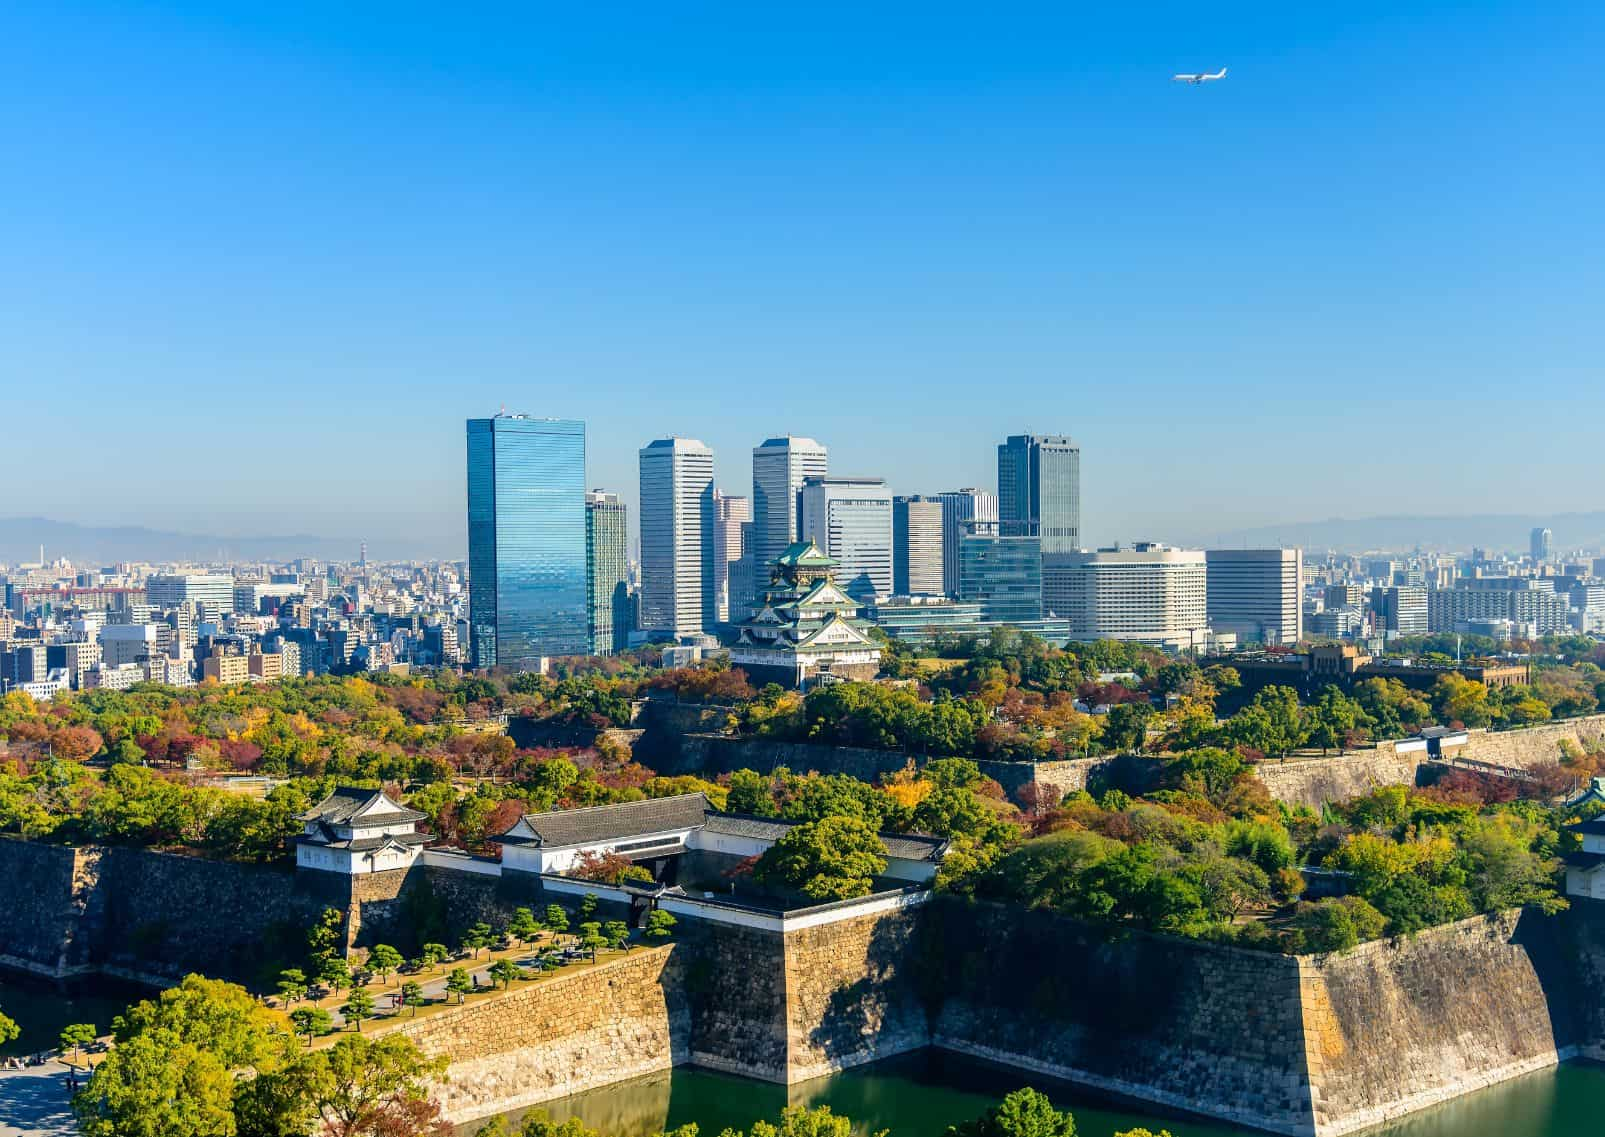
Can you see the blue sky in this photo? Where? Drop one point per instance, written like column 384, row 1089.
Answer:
column 261, row 261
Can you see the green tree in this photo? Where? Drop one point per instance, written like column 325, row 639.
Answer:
column 335, row 972
column 523, row 927
column 1126, row 726
column 367, row 1087
column 1024, row 1113
column 749, row 793
column 835, row 858
column 154, row 1085
column 588, row 904
column 384, row 959
column 292, row 985
column 660, row 924
column 504, row 971
column 9, row 1030
column 1338, row 923
column 311, row 1021
column 459, row 983
column 77, row 1036
column 591, row 938
column 556, row 919
column 476, row 938
column 412, row 995
column 435, row 954
column 358, row 1006
column 1332, row 720
column 617, row 933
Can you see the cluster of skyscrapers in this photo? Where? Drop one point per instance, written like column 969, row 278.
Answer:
column 549, row 575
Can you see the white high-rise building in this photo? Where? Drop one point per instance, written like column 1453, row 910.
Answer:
column 677, row 537
column 732, row 559
column 1257, row 594
column 961, row 509
column 214, row 590
column 851, row 520
column 1149, row 593
column 779, row 467
column 917, row 568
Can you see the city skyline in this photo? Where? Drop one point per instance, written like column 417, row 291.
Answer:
column 1001, row 233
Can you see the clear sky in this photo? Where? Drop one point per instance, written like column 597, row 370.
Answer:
column 259, row 262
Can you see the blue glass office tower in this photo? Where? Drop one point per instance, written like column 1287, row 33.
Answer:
column 526, row 540
column 1039, row 490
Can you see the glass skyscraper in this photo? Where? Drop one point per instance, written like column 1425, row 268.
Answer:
column 526, row 540
column 1039, row 490
column 779, row 467
column 608, row 567
column 1005, row 575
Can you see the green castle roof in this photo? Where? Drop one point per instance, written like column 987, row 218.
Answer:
column 804, row 554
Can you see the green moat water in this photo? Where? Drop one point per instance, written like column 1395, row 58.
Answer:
column 919, row 1096
column 915, row 1096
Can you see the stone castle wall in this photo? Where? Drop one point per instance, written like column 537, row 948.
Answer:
column 851, row 993
column 582, row 1028
column 1394, row 1026
column 1208, row 1029
column 1316, row 781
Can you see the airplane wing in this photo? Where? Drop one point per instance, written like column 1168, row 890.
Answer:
column 1186, row 78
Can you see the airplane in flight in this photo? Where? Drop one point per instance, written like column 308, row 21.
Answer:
column 1204, row 77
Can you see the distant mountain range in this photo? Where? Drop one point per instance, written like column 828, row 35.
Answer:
column 21, row 537
column 1498, row 532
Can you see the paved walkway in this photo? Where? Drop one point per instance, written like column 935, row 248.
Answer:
column 33, row 1102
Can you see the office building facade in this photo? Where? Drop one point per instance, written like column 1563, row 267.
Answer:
column 1541, row 544
column 214, row 591
column 963, row 511
column 732, row 557
column 779, row 467
column 526, row 540
column 1039, row 490
column 917, row 542
column 677, row 537
column 1150, row 594
column 1256, row 594
column 1401, row 610
column 1003, row 575
column 607, row 573
column 850, row 519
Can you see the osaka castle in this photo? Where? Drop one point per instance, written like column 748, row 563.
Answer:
column 804, row 630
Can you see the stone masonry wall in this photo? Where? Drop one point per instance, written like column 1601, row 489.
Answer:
column 39, row 914
column 1207, row 1029
column 1316, row 781
column 578, row 1030
column 1394, row 1026
column 851, row 995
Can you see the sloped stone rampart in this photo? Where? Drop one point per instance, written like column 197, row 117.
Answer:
column 573, row 1032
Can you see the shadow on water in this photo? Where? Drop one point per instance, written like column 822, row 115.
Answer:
column 41, row 1007
column 921, row 1095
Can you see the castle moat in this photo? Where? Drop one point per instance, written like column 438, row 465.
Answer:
column 920, row 1095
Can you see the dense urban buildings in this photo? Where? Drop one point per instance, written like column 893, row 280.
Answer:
column 526, row 540
column 1039, row 490
column 607, row 574
column 851, row 521
column 677, row 529
column 779, row 467
column 1256, row 594
column 917, row 547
